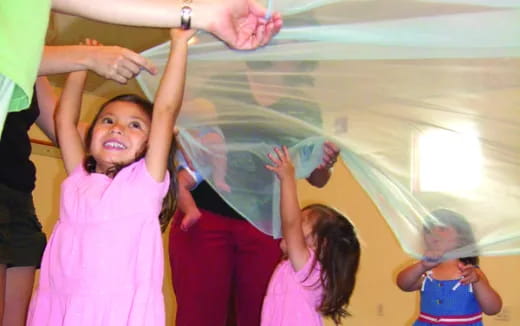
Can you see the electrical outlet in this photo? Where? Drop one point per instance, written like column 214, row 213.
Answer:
column 380, row 310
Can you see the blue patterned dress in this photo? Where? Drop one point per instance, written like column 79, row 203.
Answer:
column 447, row 303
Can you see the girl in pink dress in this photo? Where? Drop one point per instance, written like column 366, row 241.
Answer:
column 103, row 264
column 322, row 250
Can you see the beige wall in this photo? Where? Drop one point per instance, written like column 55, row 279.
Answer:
column 376, row 300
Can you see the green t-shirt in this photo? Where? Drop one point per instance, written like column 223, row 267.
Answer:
column 23, row 25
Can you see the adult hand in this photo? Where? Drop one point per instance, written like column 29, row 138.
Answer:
column 189, row 220
column 330, row 155
column 242, row 24
column 116, row 63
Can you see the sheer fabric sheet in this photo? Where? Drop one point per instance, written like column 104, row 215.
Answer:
column 422, row 97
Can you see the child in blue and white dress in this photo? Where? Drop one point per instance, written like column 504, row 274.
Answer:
column 453, row 291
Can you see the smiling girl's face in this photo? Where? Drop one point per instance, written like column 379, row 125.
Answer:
column 119, row 135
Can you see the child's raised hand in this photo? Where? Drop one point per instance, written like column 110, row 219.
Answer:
column 282, row 164
column 182, row 35
column 470, row 273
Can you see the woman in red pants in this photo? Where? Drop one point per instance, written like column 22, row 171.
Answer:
column 222, row 255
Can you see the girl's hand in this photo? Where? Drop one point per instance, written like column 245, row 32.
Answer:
column 181, row 35
column 282, row 164
column 470, row 273
column 431, row 259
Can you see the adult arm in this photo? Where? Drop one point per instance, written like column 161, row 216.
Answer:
column 110, row 62
column 47, row 104
column 239, row 23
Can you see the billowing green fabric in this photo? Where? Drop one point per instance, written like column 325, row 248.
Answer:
column 423, row 98
column 23, row 24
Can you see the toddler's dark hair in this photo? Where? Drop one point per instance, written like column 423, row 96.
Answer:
column 338, row 252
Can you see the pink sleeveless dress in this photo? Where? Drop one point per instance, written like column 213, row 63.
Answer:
column 103, row 264
column 293, row 297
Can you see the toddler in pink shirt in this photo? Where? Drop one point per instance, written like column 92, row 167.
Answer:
column 322, row 250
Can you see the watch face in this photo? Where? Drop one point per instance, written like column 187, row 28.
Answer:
column 185, row 17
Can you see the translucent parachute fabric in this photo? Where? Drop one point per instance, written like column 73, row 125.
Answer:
column 423, row 97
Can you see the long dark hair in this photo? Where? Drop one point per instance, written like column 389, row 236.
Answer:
column 169, row 202
column 338, row 252
column 465, row 236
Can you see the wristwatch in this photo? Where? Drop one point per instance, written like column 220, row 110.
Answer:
column 186, row 15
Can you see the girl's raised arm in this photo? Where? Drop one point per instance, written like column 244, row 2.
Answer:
column 290, row 210
column 168, row 101
column 66, row 120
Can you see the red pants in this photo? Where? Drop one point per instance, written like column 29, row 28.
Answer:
column 216, row 256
